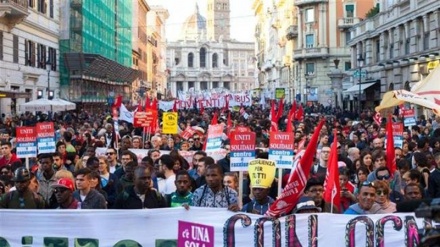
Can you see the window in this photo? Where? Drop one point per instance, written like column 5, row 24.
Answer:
column 215, row 84
column 407, row 46
column 310, row 68
column 179, row 85
column 377, row 50
column 310, row 15
column 349, row 10
column 347, row 66
column 190, row 84
column 41, row 6
column 31, row 3
column 53, row 58
column 41, row 56
column 202, row 57
column 203, row 85
column 190, row 60
column 15, row 49
column 176, row 61
column 391, row 51
column 215, row 60
column 426, row 41
column 310, row 40
column 51, row 8
column 1, row 45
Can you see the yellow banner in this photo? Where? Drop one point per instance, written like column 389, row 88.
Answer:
column 261, row 173
column 169, row 123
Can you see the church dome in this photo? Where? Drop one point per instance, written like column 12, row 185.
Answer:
column 194, row 26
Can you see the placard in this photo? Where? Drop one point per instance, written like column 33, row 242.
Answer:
column 145, row 119
column 193, row 234
column 26, row 138
column 280, row 93
column 45, row 138
column 242, row 150
column 262, row 173
column 281, row 149
column 214, row 138
column 169, row 123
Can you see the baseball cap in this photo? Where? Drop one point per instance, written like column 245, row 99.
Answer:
column 306, row 203
column 64, row 183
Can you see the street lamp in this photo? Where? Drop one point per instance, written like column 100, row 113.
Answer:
column 360, row 64
column 48, row 69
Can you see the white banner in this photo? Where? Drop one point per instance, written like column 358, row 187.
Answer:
column 64, row 228
column 209, row 101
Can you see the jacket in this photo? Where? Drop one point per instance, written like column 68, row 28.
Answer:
column 128, row 199
column 355, row 209
column 94, row 200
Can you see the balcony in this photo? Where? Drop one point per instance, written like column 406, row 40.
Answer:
column 76, row 25
column 314, row 52
column 348, row 22
column 292, row 32
column 301, row 3
column 13, row 12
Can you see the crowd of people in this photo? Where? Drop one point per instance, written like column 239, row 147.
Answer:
column 76, row 177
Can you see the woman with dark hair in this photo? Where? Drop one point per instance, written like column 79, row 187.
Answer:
column 347, row 189
column 108, row 181
column 361, row 174
column 95, row 183
column 367, row 160
column 422, row 166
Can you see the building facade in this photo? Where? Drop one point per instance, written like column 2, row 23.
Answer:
column 205, row 57
column 96, row 51
column 399, row 47
column 29, row 51
column 318, row 31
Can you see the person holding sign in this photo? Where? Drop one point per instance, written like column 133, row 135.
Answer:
column 262, row 174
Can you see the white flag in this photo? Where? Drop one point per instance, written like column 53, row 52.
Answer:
column 125, row 115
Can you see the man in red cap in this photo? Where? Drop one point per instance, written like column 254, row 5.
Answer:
column 63, row 191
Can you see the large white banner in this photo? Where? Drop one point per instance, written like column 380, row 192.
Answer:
column 153, row 227
column 209, row 101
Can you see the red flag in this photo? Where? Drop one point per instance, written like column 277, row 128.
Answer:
column 154, row 105
column 332, row 188
column 273, row 117
column 297, row 180
column 118, row 101
column 300, row 113
column 175, row 106
column 147, row 103
column 391, row 155
column 280, row 108
column 290, row 117
column 214, row 119
column 377, row 118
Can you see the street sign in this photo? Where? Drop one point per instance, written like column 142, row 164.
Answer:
column 363, row 74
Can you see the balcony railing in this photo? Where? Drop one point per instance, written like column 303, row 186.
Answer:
column 348, row 22
column 313, row 52
column 14, row 11
column 292, row 32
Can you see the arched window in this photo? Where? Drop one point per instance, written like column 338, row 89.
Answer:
column 215, row 60
column 191, row 60
column 202, row 57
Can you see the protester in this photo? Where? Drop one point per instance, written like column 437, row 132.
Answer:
column 63, row 191
column 140, row 195
column 366, row 201
column 22, row 197
column 86, row 196
column 182, row 196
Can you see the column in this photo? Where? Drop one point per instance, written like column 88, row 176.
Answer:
column 197, row 85
column 300, row 29
column 185, row 86
column 322, row 26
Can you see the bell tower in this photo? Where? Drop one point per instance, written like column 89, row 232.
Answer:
column 218, row 20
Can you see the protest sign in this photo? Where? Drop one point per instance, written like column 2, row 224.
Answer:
column 261, row 173
column 242, row 150
column 409, row 117
column 214, row 138
column 26, row 138
column 169, row 123
column 45, row 137
column 145, row 119
column 46, row 228
column 281, row 149
column 197, row 235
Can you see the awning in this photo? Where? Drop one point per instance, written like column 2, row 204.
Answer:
column 355, row 88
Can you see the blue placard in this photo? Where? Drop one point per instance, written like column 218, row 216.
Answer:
column 26, row 150
column 46, row 145
column 240, row 160
column 282, row 157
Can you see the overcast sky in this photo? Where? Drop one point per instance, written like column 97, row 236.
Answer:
column 242, row 18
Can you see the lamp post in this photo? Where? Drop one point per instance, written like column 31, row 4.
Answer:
column 48, row 69
column 360, row 64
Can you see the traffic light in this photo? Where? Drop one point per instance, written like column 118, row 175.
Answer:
column 50, row 95
column 39, row 94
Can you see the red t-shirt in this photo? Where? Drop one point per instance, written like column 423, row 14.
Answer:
column 5, row 162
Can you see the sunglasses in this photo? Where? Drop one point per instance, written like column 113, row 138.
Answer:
column 109, row 153
column 383, row 177
column 4, row 173
column 59, row 190
column 368, row 184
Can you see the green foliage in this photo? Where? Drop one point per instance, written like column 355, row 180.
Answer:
column 372, row 12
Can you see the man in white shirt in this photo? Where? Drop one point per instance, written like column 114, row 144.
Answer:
column 166, row 164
